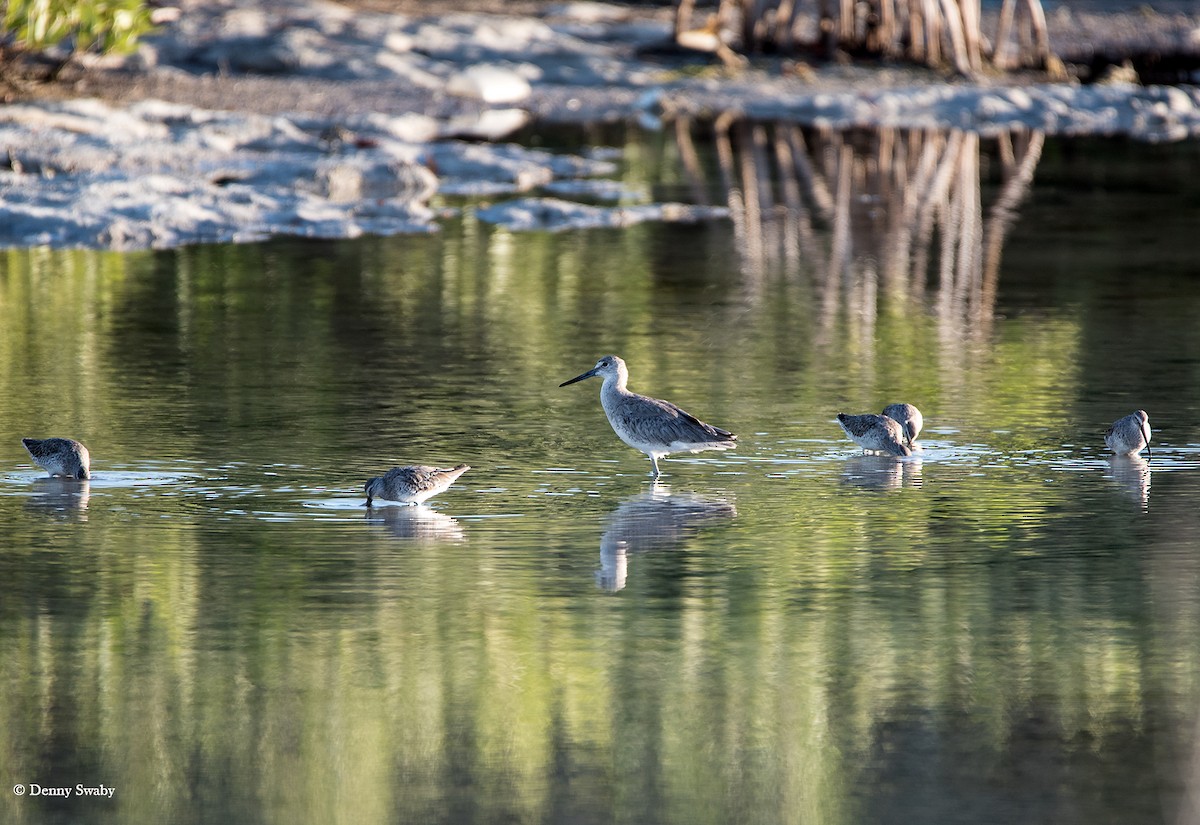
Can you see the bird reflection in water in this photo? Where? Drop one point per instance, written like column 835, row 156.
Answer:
column 881, row 472
column 63, row 497
column 1132, row 475
column 653, row 520
column 417, row 522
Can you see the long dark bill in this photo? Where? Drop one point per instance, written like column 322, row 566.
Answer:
column 587, row 374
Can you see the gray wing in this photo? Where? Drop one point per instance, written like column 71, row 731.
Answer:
column 44, row 448
column 421, row 477
column 417, row 478
column 652, row 419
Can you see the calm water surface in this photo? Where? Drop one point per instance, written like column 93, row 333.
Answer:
column 1002, row 628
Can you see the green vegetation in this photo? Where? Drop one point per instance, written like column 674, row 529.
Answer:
column 103, row 25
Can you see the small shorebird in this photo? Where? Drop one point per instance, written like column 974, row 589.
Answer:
column 60, row 456
column 1129, row 435
column 876, row 433
column 651, row 425
column 412, row 485
column 909, row 417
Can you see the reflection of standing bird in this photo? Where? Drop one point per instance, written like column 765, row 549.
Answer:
column 412, row 485
column 59, row 456
column 875, row 433
column 1129, row 435
column 909, row 418
column 1132, row 473
column 653, row 520
column 657, row 428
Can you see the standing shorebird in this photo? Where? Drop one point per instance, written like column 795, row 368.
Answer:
column 412, row 485
column 651, row 425
column 1129, row 435
column 60, row 456
column 876, row 433
column 909, row 418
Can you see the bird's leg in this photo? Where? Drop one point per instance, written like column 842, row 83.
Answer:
column 654, row 461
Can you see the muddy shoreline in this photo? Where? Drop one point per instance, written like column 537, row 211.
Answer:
column 245, row 120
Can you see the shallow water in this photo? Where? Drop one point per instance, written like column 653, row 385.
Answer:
column 1001, row 628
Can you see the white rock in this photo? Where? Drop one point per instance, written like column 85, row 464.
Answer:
column 490, row 124
column 491, row 84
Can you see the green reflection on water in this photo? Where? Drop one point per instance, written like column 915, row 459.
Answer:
column 1001, row 630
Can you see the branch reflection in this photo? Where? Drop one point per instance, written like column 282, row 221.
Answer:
column 870, row 212
column 653, row 520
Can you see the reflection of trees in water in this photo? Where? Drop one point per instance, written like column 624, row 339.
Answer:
column 867, row 209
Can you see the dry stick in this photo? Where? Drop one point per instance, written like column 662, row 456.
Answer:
column 747, row 11
column 1041, row 37
column 794, row 23
column 727, row 11
column 846, row 22
column 933, row 31
column 784, row 15
column 916, row 31
column 971, row 33
column 953, row 18
column 683, row 16
column 888, row 31
column 1004, row 145
column 872, row 39
column 1003, row 33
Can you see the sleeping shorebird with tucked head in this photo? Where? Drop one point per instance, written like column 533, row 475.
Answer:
column 909, row 417
column 876, row 433
column 1129, row 435
column 412, row 485
column 651, row 425
column 60, row 456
